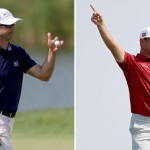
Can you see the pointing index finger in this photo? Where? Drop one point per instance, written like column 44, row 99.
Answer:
column 49, row 35
column 93, row 8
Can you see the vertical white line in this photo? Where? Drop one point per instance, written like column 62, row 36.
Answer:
column 74, row 74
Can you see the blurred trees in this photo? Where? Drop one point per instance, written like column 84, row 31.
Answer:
column 39, row 17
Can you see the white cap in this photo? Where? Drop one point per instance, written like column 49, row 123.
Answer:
column 7, row 18
column 145, row 33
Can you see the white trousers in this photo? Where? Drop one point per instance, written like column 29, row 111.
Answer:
column 140, row 132
column 6, row 126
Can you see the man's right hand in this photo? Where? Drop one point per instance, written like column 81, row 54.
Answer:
column 96, row 17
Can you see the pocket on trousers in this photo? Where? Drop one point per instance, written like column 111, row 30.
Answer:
column 137, row 127
column 131, row 128
column 3, row 128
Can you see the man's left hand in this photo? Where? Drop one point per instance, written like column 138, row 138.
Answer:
column 51, row 43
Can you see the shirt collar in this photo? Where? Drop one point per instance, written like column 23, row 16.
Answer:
column 142, row 57
column 9, row 47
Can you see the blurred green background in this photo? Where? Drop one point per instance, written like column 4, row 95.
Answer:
column 39, row 17
column 44, row 130
column 49, row 128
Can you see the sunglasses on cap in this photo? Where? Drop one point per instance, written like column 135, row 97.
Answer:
column 8, row 26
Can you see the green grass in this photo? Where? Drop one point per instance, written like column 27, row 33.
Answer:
column 44, row 130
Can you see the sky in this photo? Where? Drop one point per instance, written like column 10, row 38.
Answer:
column 101, row 97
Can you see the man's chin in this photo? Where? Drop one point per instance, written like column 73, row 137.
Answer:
column 10, row 38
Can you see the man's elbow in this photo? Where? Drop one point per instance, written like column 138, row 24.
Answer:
column 44, row 76
column 45, row 79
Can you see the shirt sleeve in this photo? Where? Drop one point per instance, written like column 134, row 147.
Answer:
column 126, row 64
column 28, row 62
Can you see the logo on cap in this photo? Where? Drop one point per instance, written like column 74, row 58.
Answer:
column 143, row 34
column 5, row 14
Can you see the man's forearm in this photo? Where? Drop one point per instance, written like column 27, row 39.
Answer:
column 115, row 49
column 107, row 38
column 48, row 66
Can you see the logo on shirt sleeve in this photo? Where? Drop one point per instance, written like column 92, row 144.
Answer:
column 16, row 63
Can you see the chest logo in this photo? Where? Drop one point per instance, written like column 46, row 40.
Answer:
column 16, row 63
column 145, row 66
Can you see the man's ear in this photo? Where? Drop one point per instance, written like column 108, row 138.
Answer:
column 142, row 41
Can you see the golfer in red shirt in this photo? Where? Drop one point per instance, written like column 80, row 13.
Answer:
column 136, row 70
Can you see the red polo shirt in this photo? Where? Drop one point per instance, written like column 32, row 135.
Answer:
column 137, row 73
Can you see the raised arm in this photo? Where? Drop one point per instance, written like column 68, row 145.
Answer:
column 45, row 71
column 116, row 50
